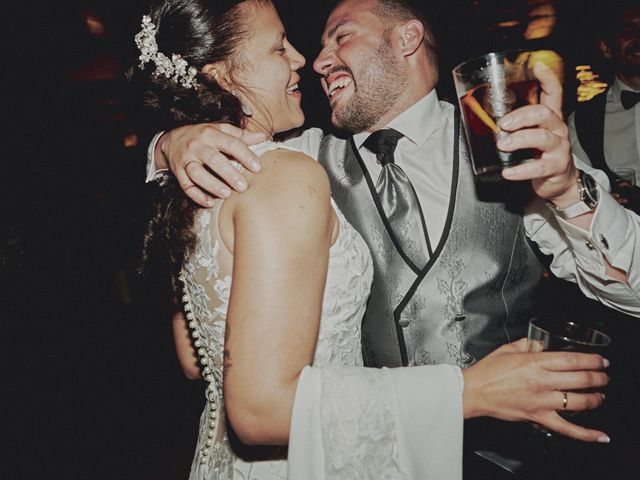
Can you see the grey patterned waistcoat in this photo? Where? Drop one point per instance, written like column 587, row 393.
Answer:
column 476, row 293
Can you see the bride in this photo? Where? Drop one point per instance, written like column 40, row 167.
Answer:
column 279, row 346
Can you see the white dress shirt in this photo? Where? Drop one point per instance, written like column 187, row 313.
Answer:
column 621, row 132
column 425, row 153
column 426, row 156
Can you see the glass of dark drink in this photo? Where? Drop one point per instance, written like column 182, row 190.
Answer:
column 550, row 334
column 488, row 88
column 625, row 176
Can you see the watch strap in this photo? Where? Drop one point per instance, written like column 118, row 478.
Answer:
column 571, row 211
column 587, row 188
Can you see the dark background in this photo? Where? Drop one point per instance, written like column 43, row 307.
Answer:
column 90, row 378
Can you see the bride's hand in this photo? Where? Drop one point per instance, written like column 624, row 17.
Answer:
column 515, row 385
column 186, row 151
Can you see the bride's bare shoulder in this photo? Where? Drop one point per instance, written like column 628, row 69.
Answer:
column 289, row 171
column 291, row 193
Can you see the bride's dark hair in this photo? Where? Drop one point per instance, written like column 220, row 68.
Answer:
column 201, row 32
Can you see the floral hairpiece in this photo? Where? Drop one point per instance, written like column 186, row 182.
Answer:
column 175, row 68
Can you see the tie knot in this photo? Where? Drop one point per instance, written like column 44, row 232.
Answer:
column 629, row 99
column 383, row 143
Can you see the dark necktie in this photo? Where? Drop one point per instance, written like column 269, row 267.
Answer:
column 629, row 99
column 398, row 199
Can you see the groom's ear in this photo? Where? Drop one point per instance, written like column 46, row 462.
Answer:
column 412, row 37
column 219, row 72
column 603, row 46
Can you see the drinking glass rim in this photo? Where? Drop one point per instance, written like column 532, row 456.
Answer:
column 502, row 53
column 568, row 339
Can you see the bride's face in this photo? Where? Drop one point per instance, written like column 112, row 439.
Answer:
column 268, row 71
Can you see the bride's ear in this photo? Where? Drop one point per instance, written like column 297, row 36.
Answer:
column 219, row 72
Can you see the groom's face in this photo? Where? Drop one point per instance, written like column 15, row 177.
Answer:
column 361, row 72
column 625, row 44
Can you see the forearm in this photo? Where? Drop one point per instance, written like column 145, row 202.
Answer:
column 583, row 224
column 599, row 257
column 605, row 256
column 260, row 415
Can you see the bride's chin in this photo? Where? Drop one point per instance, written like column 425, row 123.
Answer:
column 290, row 125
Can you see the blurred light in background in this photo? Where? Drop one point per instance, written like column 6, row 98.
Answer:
column 94, row 25
column 130, row 140
column 542, row 20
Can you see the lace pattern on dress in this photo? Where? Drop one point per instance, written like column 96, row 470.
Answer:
column 345, row 300
column 358, row 421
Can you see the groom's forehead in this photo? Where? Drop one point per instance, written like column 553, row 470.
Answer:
column 347, row 11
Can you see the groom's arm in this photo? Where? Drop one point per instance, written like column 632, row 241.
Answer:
column 199, row 157
column 594, row 256
column 194, row 152
column 591, row 245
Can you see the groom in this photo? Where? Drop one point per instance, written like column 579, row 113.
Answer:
column 455, row 275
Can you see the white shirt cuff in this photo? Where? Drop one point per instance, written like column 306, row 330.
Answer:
column 152, row 173
column 607, row 236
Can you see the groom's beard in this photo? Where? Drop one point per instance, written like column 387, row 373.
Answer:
column 377, row 87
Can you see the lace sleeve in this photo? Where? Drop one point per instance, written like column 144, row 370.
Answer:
column 377, row 423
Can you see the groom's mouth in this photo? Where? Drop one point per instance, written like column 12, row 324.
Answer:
column 337, row 82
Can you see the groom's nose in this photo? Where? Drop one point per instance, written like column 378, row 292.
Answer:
column 323, row 61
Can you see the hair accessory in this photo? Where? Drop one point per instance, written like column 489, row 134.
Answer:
column 175, row 68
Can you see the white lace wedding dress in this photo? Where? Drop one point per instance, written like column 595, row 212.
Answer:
column 345, row 419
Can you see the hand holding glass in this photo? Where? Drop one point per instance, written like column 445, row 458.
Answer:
column 546, row 334
column 488, row 88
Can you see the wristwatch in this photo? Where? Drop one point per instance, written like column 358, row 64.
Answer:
column 589, row 197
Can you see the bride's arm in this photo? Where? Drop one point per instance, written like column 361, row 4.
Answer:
column 282, row 234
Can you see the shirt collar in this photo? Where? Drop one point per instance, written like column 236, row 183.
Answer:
column 618, row 87
column 416, row 123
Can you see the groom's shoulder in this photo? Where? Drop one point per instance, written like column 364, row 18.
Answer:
column 304, row 134
column 307, row 141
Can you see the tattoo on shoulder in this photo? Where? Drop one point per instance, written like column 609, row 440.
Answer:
column 226, row 362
